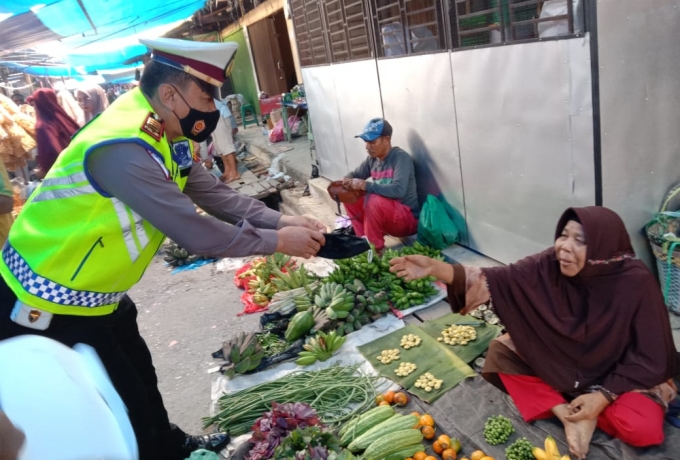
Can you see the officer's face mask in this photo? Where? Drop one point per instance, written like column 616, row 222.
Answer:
column 197, row 125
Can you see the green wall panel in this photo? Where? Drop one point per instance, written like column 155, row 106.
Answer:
column 242, row 75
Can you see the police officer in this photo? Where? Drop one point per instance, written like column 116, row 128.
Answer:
column 89, row 231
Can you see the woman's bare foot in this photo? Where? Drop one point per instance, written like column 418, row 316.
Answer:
column 578, row 433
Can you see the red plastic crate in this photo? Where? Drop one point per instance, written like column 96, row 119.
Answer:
column 269, row 104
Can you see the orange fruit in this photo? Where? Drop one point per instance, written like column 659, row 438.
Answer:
column 445, row 441
column 430, row 457
column 455, row 445
column 419, row 455
column 487, row 458
column 464, row 458
column 401, row 399
column 409, row 458
column 428, row 432
column 384, row 403
column 379, row 399
column 477, row 455
column 389, row 396
column 415, row 413
column 449, row 454
column 426, row 420
column 437, row 448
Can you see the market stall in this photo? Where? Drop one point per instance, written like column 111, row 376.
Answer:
column 360, row 364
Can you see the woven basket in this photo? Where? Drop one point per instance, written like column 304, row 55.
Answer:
column 666, row 249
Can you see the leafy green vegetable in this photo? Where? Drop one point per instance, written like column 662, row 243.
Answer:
column 311, row 443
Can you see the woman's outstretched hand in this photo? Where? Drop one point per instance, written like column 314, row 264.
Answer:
column 413, row 267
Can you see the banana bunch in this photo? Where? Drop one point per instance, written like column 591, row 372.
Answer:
column 255, row 266
column 335, row 300
column 340, row 275
column 243, row 354
column 358, row 317
column 321, row 321
column 319, row 348
column 421, row 249
column 551, row 451
column 294, row 279
column 177, row 256
column 286, row 301
column 373, row 303
column 303, row 302
column 260, row 286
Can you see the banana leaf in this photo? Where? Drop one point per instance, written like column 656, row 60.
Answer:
column 430, row 356
column 485, row 334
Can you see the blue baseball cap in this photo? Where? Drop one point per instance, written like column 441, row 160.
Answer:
column 375, row 128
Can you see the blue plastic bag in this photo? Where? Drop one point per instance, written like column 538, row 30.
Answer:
column 435, row 226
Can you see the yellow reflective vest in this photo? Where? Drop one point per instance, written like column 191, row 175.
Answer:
column 74, row 250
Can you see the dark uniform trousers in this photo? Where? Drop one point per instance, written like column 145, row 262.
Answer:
column 127, row 359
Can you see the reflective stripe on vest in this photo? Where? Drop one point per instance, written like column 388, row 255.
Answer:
column 132, row 225
column 50, row 290
column 64, row 193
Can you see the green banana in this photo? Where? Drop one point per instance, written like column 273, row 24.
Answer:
column 331, row 313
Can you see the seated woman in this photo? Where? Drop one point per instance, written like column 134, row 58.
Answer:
column 589, row 339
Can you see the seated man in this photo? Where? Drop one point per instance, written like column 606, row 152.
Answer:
column 391, row 203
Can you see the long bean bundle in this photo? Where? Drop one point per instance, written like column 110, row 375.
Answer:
column 337, row 393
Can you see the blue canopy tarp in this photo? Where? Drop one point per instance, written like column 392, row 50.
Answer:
column 80, row 22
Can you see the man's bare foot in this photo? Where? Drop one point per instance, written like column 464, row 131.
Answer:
column 226, row 178
column 578, row 433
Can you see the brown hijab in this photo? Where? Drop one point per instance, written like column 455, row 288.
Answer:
column 606, row 326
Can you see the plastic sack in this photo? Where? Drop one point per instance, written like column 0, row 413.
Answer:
column 249, row 304
column 294, row 124
column 340, row 246
column 435, row 226
column 277, row 134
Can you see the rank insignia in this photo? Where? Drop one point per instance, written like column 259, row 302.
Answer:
column 153, row 126
column 33, row 316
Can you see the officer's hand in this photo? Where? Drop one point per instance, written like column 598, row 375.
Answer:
column 299, row 241
column 302, row 221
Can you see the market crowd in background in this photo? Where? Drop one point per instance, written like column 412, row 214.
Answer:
column 35, row 126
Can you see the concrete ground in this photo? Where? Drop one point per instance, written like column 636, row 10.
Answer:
column 184, row 318
column 293, row 157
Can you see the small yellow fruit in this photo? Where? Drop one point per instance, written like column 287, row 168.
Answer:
column 477, row 455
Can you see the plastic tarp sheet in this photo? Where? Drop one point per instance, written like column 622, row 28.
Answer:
column 16, row 6
column 462, row 412
column 61, row 70
column 95, row 21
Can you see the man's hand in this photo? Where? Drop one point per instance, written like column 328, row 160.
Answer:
column 587, row 407
column 299, row 241
column 355, row 184
column 302, row 221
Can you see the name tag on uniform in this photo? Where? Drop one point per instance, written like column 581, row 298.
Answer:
column 181, row 153
column 30, row 317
